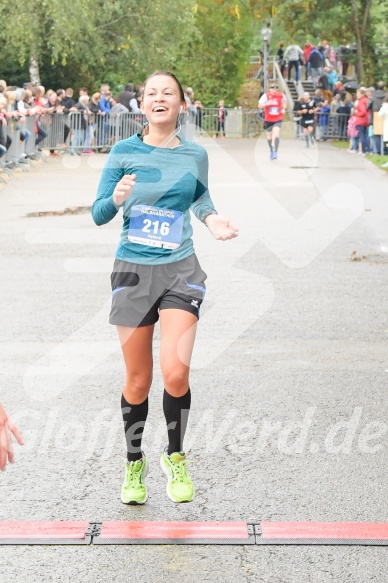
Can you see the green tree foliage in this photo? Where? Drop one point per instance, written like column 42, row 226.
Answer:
column 153, row 36
column 214, row 62
column 205, row 42
column 88, row 42
column 339, row 21
column 53, row 25
column 114, row 41
column 380, row 19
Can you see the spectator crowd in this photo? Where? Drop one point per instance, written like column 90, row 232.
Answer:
column 362, row 118
column 84, row 123
column 334, row 110
column 316, row 61
column 95, row 120
column 78, row 124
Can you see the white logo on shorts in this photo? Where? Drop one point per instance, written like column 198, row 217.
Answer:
column 194, row 303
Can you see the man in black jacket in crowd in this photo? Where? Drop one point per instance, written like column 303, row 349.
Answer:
column 125, row 97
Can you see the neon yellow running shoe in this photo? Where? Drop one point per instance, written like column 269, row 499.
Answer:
column 179, row 486
column 133, row 490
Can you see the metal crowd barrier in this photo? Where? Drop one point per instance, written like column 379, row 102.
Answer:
column 20, row 142
column 80, row 132
column 76, row 133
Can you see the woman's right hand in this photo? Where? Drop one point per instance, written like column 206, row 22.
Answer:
column 124, row 189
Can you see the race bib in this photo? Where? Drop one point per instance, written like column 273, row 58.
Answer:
column 155, row 227
column 274, row 111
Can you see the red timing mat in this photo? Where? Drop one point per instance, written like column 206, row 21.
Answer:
column 40, row 532
column 218, row 533
column 151, row 529
column 335, row 532
column 175, row 532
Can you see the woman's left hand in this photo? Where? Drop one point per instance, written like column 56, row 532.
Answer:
column 6, row 428
column 220, row 227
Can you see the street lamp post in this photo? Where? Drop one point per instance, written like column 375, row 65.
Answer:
column 266, row 36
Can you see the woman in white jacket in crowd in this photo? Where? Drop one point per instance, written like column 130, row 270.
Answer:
column 384, row 113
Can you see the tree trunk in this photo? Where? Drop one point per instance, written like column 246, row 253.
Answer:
column 360, row 23
column 34, row 70
column 360, row 61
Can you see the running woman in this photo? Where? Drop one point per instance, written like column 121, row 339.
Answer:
column 157, row 178
column 274, row 104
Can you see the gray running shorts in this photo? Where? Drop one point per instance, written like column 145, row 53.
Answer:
column 140, row 291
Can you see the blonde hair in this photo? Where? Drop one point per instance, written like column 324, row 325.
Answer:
column 10, row 97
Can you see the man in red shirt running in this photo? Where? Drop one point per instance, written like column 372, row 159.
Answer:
column 274, row 104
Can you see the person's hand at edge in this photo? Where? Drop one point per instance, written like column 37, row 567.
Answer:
column 220, row 227
column 7, row 427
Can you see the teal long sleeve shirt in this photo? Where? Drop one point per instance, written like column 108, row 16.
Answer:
column 173, row 180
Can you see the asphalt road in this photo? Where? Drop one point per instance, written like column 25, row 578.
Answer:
column 289, row 380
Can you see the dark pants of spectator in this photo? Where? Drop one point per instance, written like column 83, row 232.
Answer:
column 296, row 65
column 41, row 134
column 198, row 120
column 315, row 73
column 220, row 128
column 354, row 144
column 376, row 143
column 343, row 119
column 363, row 135
column 66, row 132
column 24, row 136
column 5, row 141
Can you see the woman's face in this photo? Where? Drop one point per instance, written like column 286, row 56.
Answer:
column 161, row 100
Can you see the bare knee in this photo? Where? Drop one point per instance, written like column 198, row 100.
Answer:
column 176, row 380
column 137, row 388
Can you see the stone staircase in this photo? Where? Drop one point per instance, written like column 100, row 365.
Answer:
column 308, row 86
column 292, row 87
column 303, row 86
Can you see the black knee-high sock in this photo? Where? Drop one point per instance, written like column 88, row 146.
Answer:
column 176, row 411
column 134, row 417
column 276, row 144
column 270, row 144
